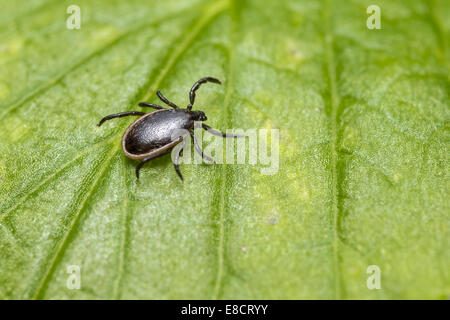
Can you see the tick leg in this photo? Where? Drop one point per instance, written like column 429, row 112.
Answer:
column 196, row 86
column 150, row 105
column 164, row 99
column 176, row 159
column 120, row 115
column 139, row 166
column 221, row 134
column 199, row 150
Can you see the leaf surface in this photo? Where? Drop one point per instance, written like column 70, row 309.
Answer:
column 363, row 178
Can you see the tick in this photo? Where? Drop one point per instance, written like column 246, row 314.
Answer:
column 150, row 136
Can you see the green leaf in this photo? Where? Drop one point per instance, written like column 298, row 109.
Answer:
column 364, row 150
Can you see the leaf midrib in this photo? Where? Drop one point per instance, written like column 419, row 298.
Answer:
column 333, row 123
column 62, row 244
column 213, row 11
column 210, row 12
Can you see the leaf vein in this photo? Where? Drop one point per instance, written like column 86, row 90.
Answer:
column 42, row 88
column 52, row 176
column 62, row 245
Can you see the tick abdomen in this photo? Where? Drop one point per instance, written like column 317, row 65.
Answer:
column 155, row 130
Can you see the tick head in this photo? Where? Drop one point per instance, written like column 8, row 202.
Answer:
column 198, row 116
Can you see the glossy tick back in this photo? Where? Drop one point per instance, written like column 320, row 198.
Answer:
column 151, row 135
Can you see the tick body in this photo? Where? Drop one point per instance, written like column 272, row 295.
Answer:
column 154, row 134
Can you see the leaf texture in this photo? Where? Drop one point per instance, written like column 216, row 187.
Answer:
column 364, row 151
